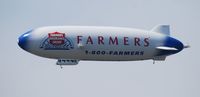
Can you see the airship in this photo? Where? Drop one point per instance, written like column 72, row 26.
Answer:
column 70, row 44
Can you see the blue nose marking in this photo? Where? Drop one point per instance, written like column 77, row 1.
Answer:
column 173, row 43
column 23, row 40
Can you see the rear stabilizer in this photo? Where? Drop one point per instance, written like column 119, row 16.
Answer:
column 166, row 48
column 163, row 29
column 186, row 46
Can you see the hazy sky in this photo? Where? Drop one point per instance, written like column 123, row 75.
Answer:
column 25, row 75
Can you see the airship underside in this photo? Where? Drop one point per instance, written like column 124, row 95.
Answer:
column 69, row 44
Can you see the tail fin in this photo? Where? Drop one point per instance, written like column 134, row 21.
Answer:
column 163, row 29
column 186, row 46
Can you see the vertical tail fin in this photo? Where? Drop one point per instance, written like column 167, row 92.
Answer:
column 163, row 29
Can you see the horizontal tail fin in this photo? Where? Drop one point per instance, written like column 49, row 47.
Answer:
column 186, row 46
column 166, row 48
column 163, row 29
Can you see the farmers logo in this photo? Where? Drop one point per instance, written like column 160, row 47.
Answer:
column 56, row 41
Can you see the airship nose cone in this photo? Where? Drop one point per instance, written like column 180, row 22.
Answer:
column 23, row 40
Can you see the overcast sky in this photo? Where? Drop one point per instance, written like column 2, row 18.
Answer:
column 25, row 75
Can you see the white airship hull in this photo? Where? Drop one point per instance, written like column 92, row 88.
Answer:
column 97, row 43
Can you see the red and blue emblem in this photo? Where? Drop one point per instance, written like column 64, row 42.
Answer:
column 57, row 41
